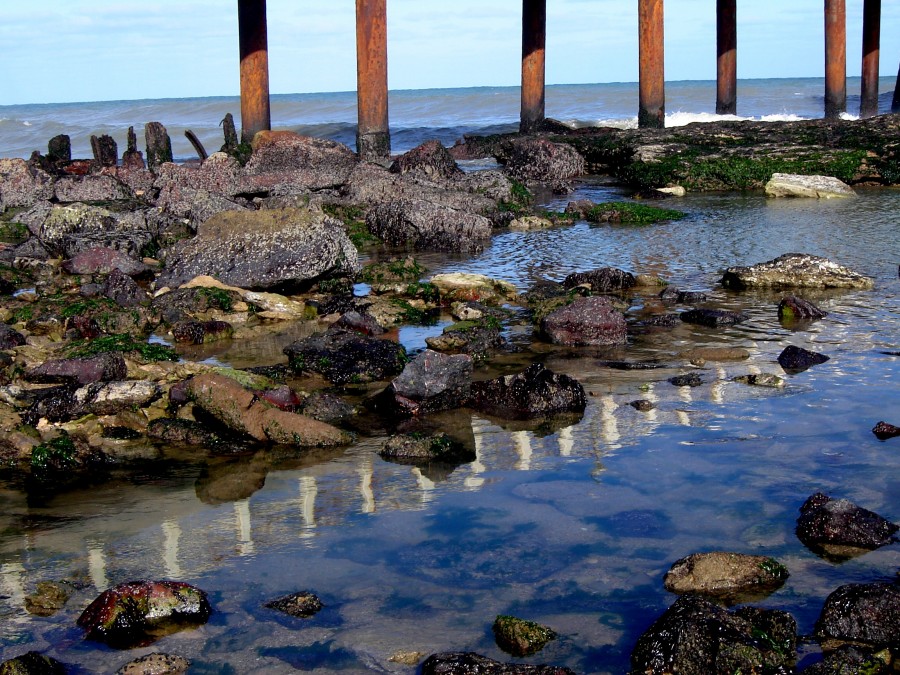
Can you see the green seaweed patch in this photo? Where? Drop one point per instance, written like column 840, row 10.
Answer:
column 354, row 219
column 424, row 290
column 122, row 343
column 774, row 569
column 631, row 214
column 57, row 454
column 407, row 269
column 217, row 297
column 520, row 199
column 520, row 637
column 414, row 315
column 87, row 306
column 13, row 233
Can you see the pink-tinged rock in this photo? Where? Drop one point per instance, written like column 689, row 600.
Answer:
column 103, row 260
column 101, row 368
column 289, row 161
column 22, row 185
column 587, row 321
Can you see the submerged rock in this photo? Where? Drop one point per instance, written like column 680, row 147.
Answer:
column 724, row 575
column 713, row 318
column 761, row 380
column 520, row 637
column 468, row 663
column 534, row 392
column 345, row 357
column 303, row 604
column 795, row 270
column 48, row 598
column 32, row 663
column 867, row 614
column 796, row 359
column 156, row 664
column 416, row 448
column 792, row 308
column 840, row 528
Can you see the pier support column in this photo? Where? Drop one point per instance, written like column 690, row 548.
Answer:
column 835, row 58
column 868, row 103
column 895, row 102
column 254, row 49
column 373, row 140
column 726, row 57
column 534, row 38
column 651, row 71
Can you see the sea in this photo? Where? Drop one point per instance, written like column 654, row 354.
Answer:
column 571, row 522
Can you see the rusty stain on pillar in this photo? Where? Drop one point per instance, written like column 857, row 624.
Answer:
column 254, row 49
column 373, row 139
column 835, row 58
column 651, row 71
column 868, row 104
column 534, row 38
column 726, row 57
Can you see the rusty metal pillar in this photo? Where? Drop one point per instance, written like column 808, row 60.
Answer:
column 373, row 140
column 651, row 71
column 254, row 48
column 835, row 58
column 726, row 57
column 868, row 103
column 534, row 38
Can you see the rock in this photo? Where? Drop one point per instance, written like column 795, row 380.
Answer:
column 537, row 159
column 475, row 338
column 430, row 160
column 671, row 295
column 182, row 432
column 696, row 637
column 792, row 308
column 795, row 270
column 725, row 576
column 846, row 660
column 287, row 163
column 122, row 289
column 840, row 528
column 821, row 187
column 361, row 322
column 796, row 359
column 884, row 431
column 535, row 392
column 22, row 185
column 32, row 663
column 426, row 225
column 262, row 250
column 131, row 242
column 675, row 191
column 761, row 380
column 108, row 398
column 301, row 605
column 863, row 614
column 586, row 321
column 326, row 407
column 48, row 598
column 713, row 318
column 431, row 382
column 55, row 225
column 139, row 611
column 201, row 332
column 102, row 188
column 103, row 261
column 602, row 280
column 417, row 448
column 467, row 663
column 715, row 354
column 462, row 286
column 345, row 356
column 104, row 367
column 156, row 664
column 642, row 405
column 9, row 337
column 529, row 223
column 686, row 380
column 520, row 637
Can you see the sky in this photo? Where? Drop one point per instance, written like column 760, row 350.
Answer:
column 94, row 50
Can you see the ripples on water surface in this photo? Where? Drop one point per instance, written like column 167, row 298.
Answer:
column 572, row 524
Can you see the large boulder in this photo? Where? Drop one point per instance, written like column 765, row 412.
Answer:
column 795, row 270
column 90, row 188
column 346, row 357
column 820, row 187
column 840, row 528
column 428, row 225
column 431, row 382
column 284, row 162
column 104, row 367
column 262, row 249
column 867, row 614
column 535, row 392
column 725, row 575
column 60, row 227
column 22, row 185
column 430, row 160
column 537, row 159
column 586, row 321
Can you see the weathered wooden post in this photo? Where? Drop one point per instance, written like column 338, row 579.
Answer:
column 254, row 47
column 373, row 140
column 651, row 71
column 534, row 38
column 726, row 57
column 868, row 103
column 835, row 58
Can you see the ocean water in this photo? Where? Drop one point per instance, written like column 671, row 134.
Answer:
column 415, row 115
column 570, row 522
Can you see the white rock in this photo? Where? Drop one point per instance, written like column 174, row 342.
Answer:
column 821, row 187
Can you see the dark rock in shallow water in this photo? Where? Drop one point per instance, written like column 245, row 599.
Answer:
column 847, row 660
column 586, row 321
column 602, row 280
column 796, row 359
column 201, row 332
column 104, row 367
column 156, row 664
column 840, row 528
column 696, row 637
column 345, row 356
column 884, row 431
column 535, row 392
column 33, row 663
column 643, row 405
column 795, row 270
column 725, row 576
column 866, row 614
column 430, row 160
column 430, row 382
column 713, row 318
column 467, row 663
column 519, row 637
column 301, row 605
column 49, row 597
column 688, row 380
column 792, row 308
column 182, row 432
column 537, row 159
column 10, row 337
column 326, row 407
column 417, row 448
column 631, row 365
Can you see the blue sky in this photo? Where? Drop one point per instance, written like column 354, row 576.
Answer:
column 87, row 50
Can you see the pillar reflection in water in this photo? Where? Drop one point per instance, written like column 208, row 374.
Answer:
column 243, row 527
column 365, row 487
column 171, row 536
column 97, row 567
column 425, row 484
column 522, row 444
column 566, row 441
column 477, row 467
column 609, row 425
column 309, row 489
column 12, row 586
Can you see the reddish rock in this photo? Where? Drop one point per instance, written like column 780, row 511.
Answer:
column 587, row 321
column 884, row 431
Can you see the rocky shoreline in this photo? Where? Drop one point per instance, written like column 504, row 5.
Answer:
column 100, row 254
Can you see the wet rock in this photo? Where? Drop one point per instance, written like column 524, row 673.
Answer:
column 55, row 404
column 345, row 357
column 22, row 184
column 130, row 242
column 104, row 367
column 430, row 382
column 413, row 449
column 467, row 663
column 32, row 663
column 795, row 270
column 792, row 308
column 761, row 380
column 520, row 637
column 103, row 261
column 716, row 354
column 840, row 528
column 361, row 322
column 429, row 160
column 847, row 660
column 122, row 289
column 108, row 398
column 696, row 637
column 262, row 249
column 156, row 664
column 182, row 432
column 866, row 614
column 687, row 380
column 530, row 223
column 586, row 321
column 302, row 605
column 138, row 612
column 465, row 287
column 327, row 407
column 185, row 304
column 631, row 365
column 819, row 187
column 534, row 392
column 475, row 338
column 9, row 337
column 642, row 405
column 48, row 598
column 884, row 431
column 796, row 359
column 602, row 280
column 282, row 397
column 713, row 318
column 201, row 332
column 287, row 163
column 725, row 576
column 537, row 159
column 426, row 225
column 662, row 321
